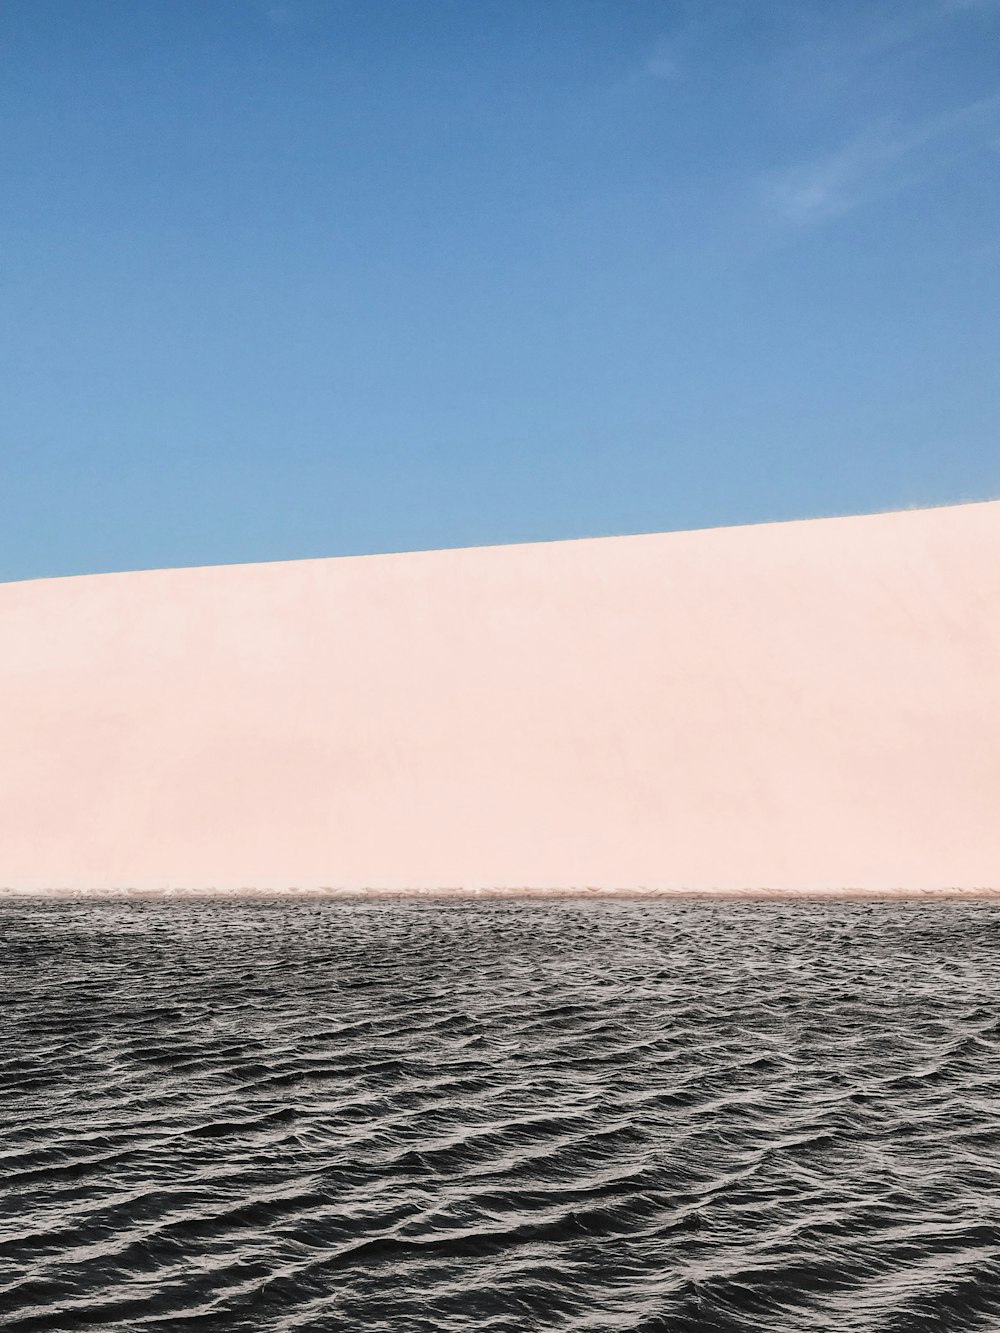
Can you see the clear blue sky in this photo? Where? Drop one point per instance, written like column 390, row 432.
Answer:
column 290, row 278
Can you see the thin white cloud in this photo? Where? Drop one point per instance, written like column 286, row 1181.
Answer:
column 885, row 28
column 880, row 162
column 960, row 6
column 829, row 185
column 664, row 61
column 669, row 56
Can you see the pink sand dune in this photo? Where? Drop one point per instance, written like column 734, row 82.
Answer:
column 806, row 705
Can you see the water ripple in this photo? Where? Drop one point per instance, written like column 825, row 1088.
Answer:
column 615, row 1117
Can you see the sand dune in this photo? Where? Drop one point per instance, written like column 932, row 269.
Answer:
column 802, row 706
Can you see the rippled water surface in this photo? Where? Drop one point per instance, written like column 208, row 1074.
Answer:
column 500, row 1116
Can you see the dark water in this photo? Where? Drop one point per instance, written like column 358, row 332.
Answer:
column 500, row 1116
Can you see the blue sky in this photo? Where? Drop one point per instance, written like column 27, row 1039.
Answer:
column 329, row 277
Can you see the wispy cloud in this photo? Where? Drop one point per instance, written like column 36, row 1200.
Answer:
column 829, row 185
column 959, row 6
column 894, row 27
column 664, row 60
column 879, row 162
column 280, row 15
column 889, row 27
column 670, row 56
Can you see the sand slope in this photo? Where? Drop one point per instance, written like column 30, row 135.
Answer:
column 803, row 705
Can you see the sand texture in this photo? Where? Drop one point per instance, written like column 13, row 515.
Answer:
column 796, row 707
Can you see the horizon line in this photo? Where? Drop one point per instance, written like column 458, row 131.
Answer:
column 498, row 546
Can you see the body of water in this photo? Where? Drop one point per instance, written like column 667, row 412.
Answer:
column 427, row 1117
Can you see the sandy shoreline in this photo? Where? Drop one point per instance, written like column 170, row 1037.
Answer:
column 480, row 894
